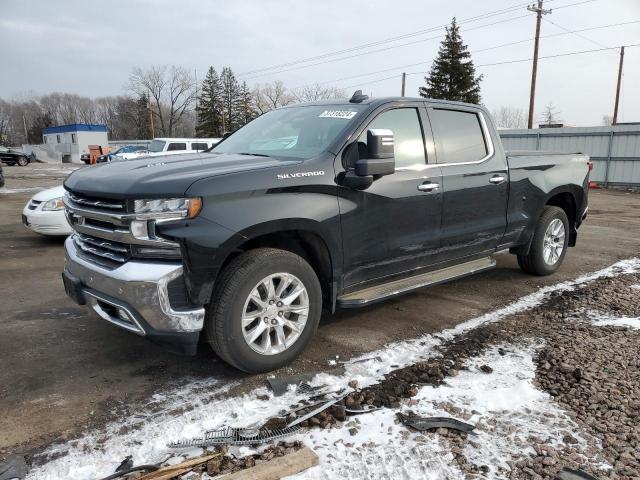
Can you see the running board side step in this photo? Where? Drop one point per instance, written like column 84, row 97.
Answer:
column 370, row 295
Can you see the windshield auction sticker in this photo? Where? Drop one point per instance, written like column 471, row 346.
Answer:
column 345, row 114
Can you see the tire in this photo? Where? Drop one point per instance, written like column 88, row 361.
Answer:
column 23, row 161
column 231, row 303
column 545, row 256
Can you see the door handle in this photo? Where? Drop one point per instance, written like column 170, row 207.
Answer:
column 496, row 179
column 428, row 186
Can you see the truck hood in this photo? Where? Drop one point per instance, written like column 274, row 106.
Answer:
column 162, row 176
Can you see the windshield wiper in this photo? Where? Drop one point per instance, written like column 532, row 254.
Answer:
column 254, row 154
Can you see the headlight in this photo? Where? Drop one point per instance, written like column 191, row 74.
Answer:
column 168, row 208
column 55, row 204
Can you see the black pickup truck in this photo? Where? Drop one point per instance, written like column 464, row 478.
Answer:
column 314, row 206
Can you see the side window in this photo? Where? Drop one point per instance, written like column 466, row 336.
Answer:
column 176, row 146
column 407, row 132
column 459, row 136
column 198, row 146
column 73, row 138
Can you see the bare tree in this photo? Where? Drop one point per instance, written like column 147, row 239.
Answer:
column 550, row 116
column 509, row 117
column 311, row 93
column 270, row 96
column 171, row 90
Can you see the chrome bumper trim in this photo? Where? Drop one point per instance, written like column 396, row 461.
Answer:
column 134, row 285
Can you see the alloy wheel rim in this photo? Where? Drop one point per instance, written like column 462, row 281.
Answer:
column 275, row 313
column 553, row 243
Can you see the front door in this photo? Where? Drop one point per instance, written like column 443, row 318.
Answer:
column 393, row 226
column 475, row 183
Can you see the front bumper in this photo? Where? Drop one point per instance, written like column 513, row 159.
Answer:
column 49, row 222
column 135, row 296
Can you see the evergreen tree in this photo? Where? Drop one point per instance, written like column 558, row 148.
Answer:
column 452, row 75
column 231, row 101
column 210, row 106
column 247, row 104
column 143, row 128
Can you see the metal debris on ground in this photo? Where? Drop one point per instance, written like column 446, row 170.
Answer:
column 280, row 385
column 569, row 474
column 235, row 436
column 314, row 412
column 13, row 467
column 126, row 464
column 365, row 409
column 359, row 360
column 432, row 423
column 124, row 472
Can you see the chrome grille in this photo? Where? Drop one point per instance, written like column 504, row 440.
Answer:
column 103, row 251
column 97, row 203
column 103, row 230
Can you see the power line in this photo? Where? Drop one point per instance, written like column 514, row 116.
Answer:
column 566, row 54
column 575, row 33
column 387, row 40
column 381, row 49
column 267, row 70
column 398, row 67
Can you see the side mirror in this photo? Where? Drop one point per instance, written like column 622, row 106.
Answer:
column 380, row 154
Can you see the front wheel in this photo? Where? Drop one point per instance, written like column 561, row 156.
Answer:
column 23, row 161
column 549, row 244
column 265, row 308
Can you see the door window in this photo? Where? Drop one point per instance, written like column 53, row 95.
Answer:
column 176, row 146
column 407, row 132
column 458, row 135
column 199, row 146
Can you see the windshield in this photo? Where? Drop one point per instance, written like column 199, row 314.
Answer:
column 300, row 132
column 156, row 145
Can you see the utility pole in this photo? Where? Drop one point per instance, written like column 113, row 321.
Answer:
column 153, row 133
column 537, row 8
column 615, row 108
column 195, row 73
column 26, row 133
column 404, row 80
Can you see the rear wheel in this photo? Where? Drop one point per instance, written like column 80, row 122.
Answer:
column 549, row 244
column 23, row 161
column 265, row 308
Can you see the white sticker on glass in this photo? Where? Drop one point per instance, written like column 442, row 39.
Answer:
column 345, row 114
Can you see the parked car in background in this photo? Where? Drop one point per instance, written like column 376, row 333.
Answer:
column 171, row 146
column 107, row 157
column 85, row 158
column 1, row 176
column 44, row 213
column 321, row 205
column 15, row 157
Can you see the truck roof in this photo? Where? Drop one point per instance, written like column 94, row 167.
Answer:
column 376, row 101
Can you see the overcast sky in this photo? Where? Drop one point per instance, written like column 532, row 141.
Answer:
column 90, row 47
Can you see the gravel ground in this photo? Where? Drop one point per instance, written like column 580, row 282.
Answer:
column 591, row 371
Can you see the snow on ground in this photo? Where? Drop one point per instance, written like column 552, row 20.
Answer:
column 602, row 319
column 190, row 410
column 507, row 403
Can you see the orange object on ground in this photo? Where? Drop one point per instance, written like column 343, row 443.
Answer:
column 95, row 151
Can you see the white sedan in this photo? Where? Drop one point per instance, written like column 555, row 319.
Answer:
column 44, row 213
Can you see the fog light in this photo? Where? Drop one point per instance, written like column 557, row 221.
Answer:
column 140, row 229
column 122, row 313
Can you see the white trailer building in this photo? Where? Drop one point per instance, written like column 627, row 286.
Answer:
column 65, row 143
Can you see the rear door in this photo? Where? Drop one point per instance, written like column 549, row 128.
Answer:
column 393, row 226
column 475, row 182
